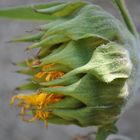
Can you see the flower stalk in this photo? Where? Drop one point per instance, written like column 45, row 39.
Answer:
column 126, row 16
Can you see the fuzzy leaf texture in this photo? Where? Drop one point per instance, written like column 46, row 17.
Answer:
column 84, row 71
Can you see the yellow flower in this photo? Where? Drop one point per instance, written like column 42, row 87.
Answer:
column 36, row 102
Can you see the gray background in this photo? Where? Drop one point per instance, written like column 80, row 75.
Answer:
column 11, row 127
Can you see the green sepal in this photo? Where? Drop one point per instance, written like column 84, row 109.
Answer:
column 101, row 24
column 28, row 86
column 49, row 25
column 29, row 38
column 45, row 51
column 50, row 41
column 104, row 131
column 62, row 10
column 66, row 103
column 58, row 120
column 72, row 56
column 89, row 116
column 62, row 82
column 108, row 62
column 92, row 92
column 30, row 72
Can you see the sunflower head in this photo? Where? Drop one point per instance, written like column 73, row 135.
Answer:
column 85, row 64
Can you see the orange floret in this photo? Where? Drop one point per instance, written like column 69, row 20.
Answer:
column 49, row 75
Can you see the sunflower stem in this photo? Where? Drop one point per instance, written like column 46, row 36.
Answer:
column 126, row 16
column 104, row 131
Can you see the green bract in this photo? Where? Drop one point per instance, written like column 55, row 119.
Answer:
column 97, row 55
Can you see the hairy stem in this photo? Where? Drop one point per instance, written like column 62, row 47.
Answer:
column 126, row 16
column 104, row 131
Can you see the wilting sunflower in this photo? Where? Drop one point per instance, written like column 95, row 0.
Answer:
column 85, row 69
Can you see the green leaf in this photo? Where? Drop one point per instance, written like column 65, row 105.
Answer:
column 27, row 12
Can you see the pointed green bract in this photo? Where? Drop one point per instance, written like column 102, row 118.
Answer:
column 50, row 41
column 28, row 86
column 61, row 10
column 29, row 38
column 27, row 12
column 49, row 25
column 60, row 121
column 67, row 102
column 29, row 72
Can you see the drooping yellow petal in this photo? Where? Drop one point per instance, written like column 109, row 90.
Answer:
column 53, row 75
column 45, row 67
column 38, row 102
column 35, row 102
column 40, row 75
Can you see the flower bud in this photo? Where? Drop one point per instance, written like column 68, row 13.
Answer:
column 83, row 71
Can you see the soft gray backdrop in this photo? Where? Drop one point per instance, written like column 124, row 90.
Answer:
column 11, row 127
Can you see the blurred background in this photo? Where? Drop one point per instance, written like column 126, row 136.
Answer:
column 11, row 127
